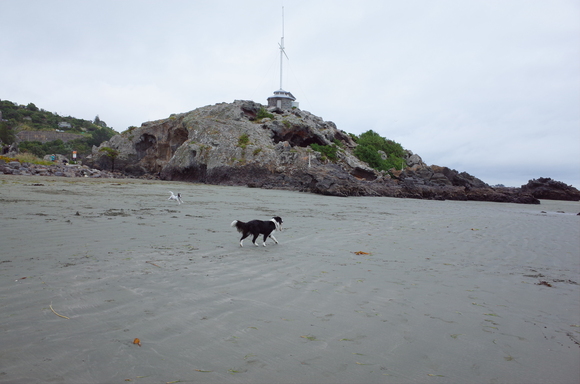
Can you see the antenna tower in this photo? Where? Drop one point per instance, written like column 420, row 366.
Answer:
column 282, row 51
column 282, row 99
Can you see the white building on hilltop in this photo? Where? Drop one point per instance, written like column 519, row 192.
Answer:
column 282, row 99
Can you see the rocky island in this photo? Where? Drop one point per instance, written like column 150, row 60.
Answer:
column 245, row 143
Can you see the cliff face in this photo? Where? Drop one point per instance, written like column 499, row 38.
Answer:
column 229, row 144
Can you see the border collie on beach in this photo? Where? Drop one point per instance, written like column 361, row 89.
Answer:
column 257, row 228
column 175, row 197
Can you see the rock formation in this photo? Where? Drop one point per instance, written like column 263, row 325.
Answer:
column 229, row 144
column 59, row 169
column 546, row 188
column 240, row 143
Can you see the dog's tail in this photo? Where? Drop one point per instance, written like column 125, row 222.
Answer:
column 239, row 225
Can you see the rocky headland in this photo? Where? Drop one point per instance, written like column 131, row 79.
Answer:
column 242, row 143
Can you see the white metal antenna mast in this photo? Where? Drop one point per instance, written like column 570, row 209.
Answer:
column 282, row 99
column 282, row 52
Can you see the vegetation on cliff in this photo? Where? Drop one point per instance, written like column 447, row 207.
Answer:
column 17, row 118
column 378, row 152
column 263, row 114
column 328, row 152
column 26, row 158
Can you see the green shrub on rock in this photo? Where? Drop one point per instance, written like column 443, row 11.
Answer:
column 327, row 151
column 263, row 113
column 243, row 141
column 369, row 145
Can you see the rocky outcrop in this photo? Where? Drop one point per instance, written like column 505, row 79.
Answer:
column 239, row 144
column 546, row 188
column 228, row 144
column 62, row 169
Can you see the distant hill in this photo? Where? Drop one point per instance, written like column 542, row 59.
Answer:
column 41, row 132
column 30, row 117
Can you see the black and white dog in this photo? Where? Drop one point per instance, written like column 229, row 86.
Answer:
column 175, row 197
column 257, row 228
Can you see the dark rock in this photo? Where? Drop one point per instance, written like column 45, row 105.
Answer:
column 546, row 188
column 440, row 179
column 59, row 170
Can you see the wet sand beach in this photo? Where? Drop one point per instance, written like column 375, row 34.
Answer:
column 359, row 290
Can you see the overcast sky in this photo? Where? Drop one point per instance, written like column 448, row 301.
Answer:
column 483, row 86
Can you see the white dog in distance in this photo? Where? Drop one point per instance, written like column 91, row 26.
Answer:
column 175, row 197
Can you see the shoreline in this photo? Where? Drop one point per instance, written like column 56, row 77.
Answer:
column 360, row 289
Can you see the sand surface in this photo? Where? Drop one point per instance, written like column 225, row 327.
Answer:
column 445, row 291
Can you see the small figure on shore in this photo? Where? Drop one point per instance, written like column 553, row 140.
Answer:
column 175, row 197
